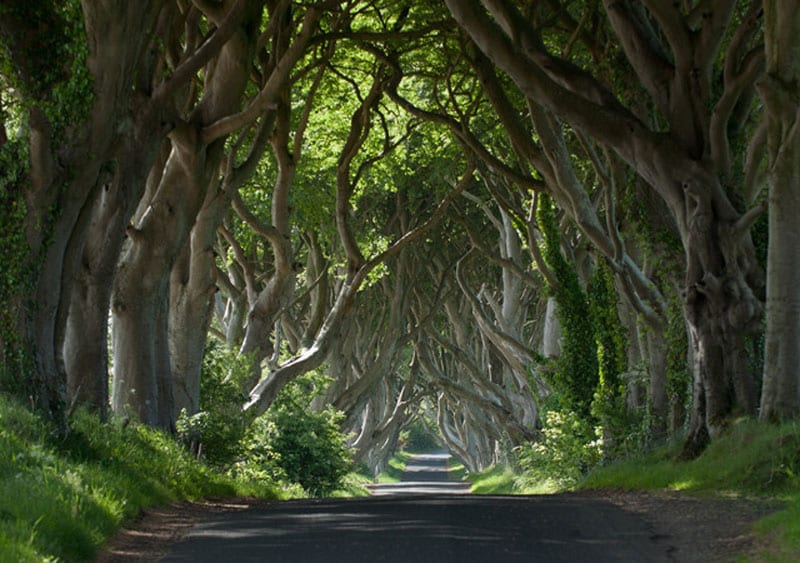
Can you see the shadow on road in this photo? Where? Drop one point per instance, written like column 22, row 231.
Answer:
column 426, row 518
column 425, row 528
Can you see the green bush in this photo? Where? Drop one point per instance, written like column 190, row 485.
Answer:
column 306, row 445
column 216, row 433
column 567, row 449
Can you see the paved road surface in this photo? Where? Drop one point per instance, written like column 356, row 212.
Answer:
column 412, row 525
column 424, row 474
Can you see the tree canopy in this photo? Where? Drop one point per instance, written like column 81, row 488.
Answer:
column 473, row 212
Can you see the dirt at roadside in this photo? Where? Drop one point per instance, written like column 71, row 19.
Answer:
column 700, row 529
column 151, row 535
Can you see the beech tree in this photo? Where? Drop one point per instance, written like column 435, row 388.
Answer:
column 675, row 53
column 69, row 67
column 361, row 188
column 780, row 397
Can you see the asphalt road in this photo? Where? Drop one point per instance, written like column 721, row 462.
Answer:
column 415, row 522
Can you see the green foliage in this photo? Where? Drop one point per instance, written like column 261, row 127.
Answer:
column 420, row 436
column 291, row 440
column 290, row 444
column 576, row 375
column 49, row 72
column 609, row 406
column 567, row 448
column 217, row 431
column 61, row 499
column 395, row 468
column 496, row 480
column 260, row 461
column 15, row 265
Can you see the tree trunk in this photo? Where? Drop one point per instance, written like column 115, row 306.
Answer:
column 780, row 399
column 721, row 305
column 64, row 175
column 142, row 366
column 686, row 167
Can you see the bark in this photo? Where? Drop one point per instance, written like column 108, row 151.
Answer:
column 723, row 283
column 142, row 370
column 66, row 175
column 192, row 288
column 551, row 340
column 780, row 398
column 657, row 389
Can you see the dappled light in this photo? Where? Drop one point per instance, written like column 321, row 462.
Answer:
column 302, row 242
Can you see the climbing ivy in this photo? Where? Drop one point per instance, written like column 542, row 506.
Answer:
column 679, row 379
column 576, row 374
column 609, row 399
column 43, row 54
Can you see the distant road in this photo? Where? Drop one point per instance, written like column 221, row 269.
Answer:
column 405, row 523
column 424, row 474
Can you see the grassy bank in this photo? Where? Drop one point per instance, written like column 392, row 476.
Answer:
column 752, row 459
column 395, row 468
column 61, row 499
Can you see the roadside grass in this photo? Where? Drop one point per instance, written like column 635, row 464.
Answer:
column 751, row 459
column 353, row 485
column 394, row 468
column 456, row 470
column 62, row 499
column 496, row 480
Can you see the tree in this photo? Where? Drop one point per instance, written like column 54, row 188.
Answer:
column 71, row 67
column 688, row 160
column 780, row 397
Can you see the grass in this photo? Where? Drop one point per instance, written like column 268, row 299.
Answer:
column 751, row 459
column 62, row 499
column 496, row 480
column 456, row 470
column 394, row 468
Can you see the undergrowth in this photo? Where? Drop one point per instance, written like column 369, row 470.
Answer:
column 395, row 468
column 62, row 499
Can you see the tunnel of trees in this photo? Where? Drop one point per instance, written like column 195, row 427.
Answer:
column 477, row 213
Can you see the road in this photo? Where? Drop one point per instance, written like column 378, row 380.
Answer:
column 422, row 520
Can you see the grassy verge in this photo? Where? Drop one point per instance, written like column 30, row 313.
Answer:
column 752, row 459
column 353, row 485
column 61, row 499
column 496, row 480
column 395, row 468
column 456, row 470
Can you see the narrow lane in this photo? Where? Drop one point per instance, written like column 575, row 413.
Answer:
column 421, row 520
column 424, row 474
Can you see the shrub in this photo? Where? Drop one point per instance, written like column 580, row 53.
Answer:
column 307, row 445
column 567, row 449
column 216, row 433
